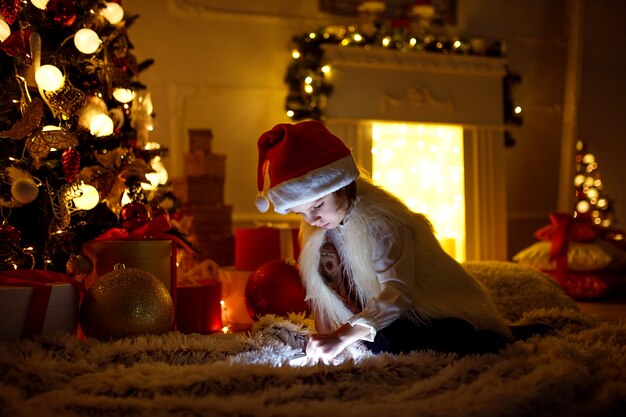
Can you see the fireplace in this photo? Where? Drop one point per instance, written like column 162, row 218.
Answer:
column 376, row 88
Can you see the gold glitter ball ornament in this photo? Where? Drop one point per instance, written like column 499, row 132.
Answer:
column 126, row 302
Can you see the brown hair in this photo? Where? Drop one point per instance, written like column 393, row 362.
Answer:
column 347, row 193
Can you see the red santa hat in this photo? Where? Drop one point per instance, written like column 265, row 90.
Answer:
column 304, row 162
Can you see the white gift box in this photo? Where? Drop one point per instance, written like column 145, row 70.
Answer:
column 61, row 314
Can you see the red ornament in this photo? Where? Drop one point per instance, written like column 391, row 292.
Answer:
column 275, row 288
column 17, row 44
column 70, row 162
column 135, row 215
column 10, row 238
column 10, row 9
column 62, row 12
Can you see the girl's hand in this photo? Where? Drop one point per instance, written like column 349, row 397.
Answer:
column 326, row 346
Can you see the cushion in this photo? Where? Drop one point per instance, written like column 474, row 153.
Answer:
column 581, row 256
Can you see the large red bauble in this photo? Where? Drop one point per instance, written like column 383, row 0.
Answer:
column 275, row 288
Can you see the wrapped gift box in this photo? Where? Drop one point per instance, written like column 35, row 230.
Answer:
column 209, row 218
column 199, row 163
column 199, row 308
column 256, row 246
column 201, row 190
column 153, row 256
column 19, row 317
column 200, row 139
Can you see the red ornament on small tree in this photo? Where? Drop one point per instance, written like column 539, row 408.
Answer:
column 275, row 288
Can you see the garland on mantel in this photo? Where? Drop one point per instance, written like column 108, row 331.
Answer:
column 307, row 74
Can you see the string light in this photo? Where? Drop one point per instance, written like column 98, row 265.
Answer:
column 87, row 198
column 40, row 4
column 101, row 125
column 49, row 77
column 113, row 12
column 5, row 30
column 87, row 41
column 156, row 178
column 123, row 95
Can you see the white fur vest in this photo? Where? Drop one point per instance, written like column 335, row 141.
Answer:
column 440, row 287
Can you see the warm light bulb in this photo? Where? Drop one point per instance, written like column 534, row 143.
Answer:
column 125, row 199
column 156, row 178
column 88, row 197
column 87, row 41
column 40, row 4
column 579, row 180
column 290, row 113
column 5, row 30
column 49, row 77
column 101, row 125
column 589, row 158
column 593, row 193
column 113, row 12
column 582, row 206
column 295, row 54
column 308, row 89
column 123, row 95
column 326, row 69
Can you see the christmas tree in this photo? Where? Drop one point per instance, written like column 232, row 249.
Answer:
column 75, row 154
column 590, row 198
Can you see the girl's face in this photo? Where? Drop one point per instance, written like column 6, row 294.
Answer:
column 327, row 212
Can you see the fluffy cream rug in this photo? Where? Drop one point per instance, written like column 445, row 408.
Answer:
column 578, row 371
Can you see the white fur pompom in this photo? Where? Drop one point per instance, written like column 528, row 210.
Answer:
column 262, row 203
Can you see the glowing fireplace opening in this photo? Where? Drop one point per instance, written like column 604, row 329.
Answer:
column 423, row 165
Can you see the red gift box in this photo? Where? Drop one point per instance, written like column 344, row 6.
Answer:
column 257, row 246
column 198, row 308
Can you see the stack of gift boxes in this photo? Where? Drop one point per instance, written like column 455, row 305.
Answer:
column 201, row 191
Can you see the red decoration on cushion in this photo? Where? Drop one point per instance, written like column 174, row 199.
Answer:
column 275, row 288
column 586, row 285
column 565, row 228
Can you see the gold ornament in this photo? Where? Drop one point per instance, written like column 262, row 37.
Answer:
column 29, row 123
column 78, row 265
column 67, row 100
column 126, row 302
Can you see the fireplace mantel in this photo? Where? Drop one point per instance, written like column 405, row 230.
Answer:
column 388, row 85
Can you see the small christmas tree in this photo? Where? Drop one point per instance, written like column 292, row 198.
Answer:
column 74, row 130
column 590, row 197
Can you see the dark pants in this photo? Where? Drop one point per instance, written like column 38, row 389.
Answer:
column 445, row 335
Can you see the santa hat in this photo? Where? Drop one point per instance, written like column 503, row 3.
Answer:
column 304, row 162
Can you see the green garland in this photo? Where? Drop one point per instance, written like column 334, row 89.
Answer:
column 309, row 88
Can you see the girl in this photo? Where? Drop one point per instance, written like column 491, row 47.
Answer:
column 372, row 269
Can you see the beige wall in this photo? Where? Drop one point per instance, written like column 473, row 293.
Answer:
column 220, row 66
